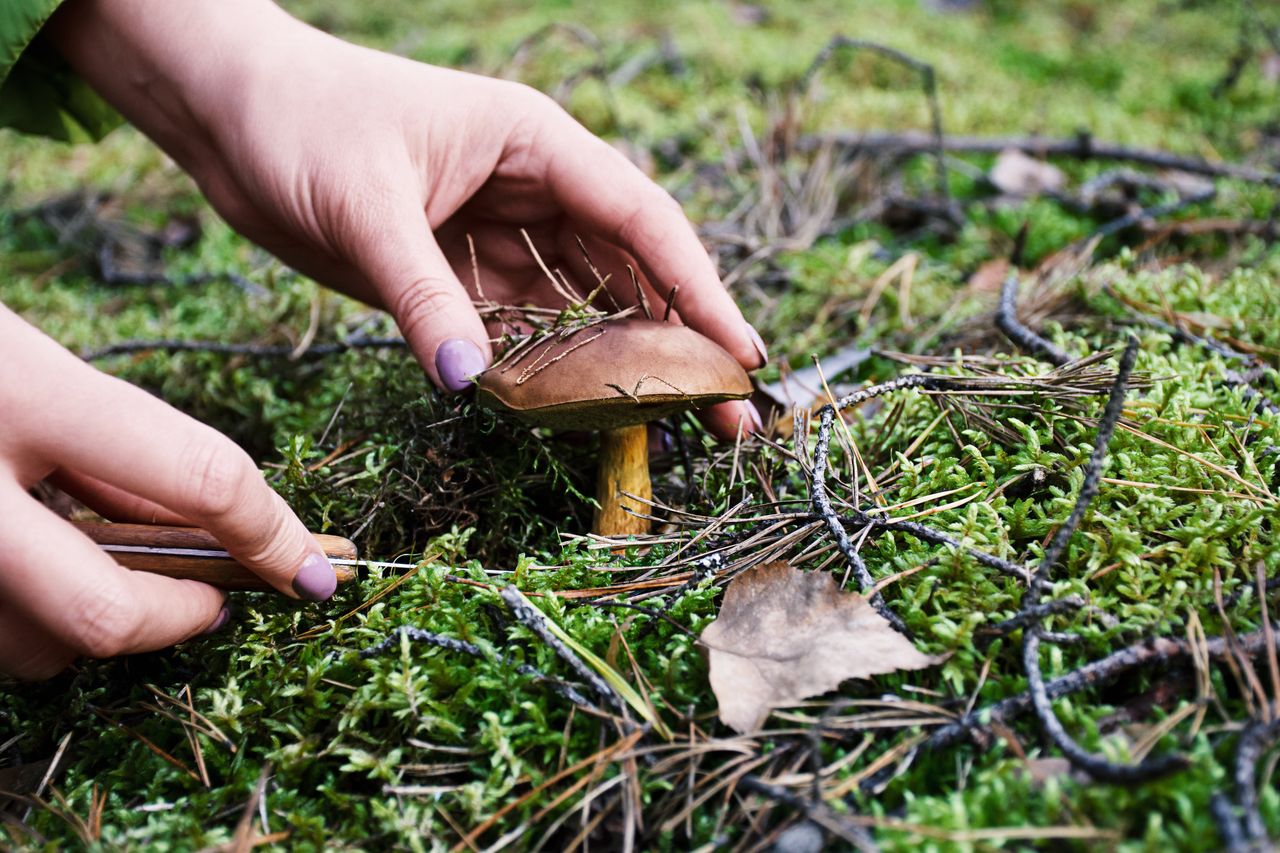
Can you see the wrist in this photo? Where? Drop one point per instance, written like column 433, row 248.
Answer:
column 176, row 68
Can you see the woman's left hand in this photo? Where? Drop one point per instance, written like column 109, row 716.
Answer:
column 369, row 172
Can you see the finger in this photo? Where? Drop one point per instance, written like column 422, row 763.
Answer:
column 601, row 189
column 114, row 503
column 62, row 582
column 27, row 651
column 111, row 431
column 729, row 420
column 433, row 310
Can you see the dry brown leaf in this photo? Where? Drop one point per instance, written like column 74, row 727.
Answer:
column 1014, row 173
column 988, row 277
column 784, row 635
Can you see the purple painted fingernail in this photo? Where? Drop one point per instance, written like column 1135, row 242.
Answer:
column 224, row 616
column 457, row 360
column 316, row 580
column 759, row 342
column 755, row 424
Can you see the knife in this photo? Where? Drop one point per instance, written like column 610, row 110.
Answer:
column 193, row 554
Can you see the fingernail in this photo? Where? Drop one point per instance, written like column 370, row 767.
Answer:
column 754, row 424
column 759, row 342
column 457, row 360
column 316, row 580
column 224, row 616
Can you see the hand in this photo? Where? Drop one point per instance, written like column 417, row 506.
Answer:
column 132, row 458
column 368, row 172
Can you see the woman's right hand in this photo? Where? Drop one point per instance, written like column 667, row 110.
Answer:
column 130, row 457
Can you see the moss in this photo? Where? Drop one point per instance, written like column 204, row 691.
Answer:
column 357, row 443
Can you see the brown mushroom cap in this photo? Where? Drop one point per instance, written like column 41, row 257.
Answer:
column 613, row 374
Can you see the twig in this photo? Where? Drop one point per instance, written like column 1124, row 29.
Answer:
column 821, row 501
column 1144, row 214
column 1095, row 765
column 1083, row 147
column 936, row 537
column 533, row 619
column 819, row 813
column 928, row 80
column 1150, row 652
column 1028, row 615
column 1256, row 739
column 1231, row 378
column 455, row 645
column 1007, row 321
column 1224, row 815
column 224, row 348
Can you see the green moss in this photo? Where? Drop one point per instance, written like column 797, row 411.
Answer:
column 357, row 443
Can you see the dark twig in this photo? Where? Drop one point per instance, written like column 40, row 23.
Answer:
column 936, row 537
column 255, row 350
column 532, row 618
column 928, row 81
column 453, row 644
column 1224, row 815
column 1028, row 615
column 821, row 501
column 1007, row 321
column 1257, row 738
column 704, row 567
column 1146, row 214
column 1232, row 378
column 1095, row 765
column 1149, row 652
column 819, row 813
column 1083, row 146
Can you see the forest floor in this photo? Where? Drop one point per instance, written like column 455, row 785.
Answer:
column 838, row 229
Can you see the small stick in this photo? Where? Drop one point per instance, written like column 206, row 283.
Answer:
column 1007, row 321
column 532, row 618
column 1083, row 146
column 453, row 644
column 1095, row 765
column 671, row 302
column 224, row 348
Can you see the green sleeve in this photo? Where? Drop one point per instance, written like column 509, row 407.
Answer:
column 38, row 92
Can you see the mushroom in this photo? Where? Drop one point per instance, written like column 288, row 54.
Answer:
column 614, row 376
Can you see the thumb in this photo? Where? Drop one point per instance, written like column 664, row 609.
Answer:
column 431, row 307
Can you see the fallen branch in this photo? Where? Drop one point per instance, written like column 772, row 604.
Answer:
column 1150, row 652
column 254, row 350
column 1007, row 321
column 928, row 80
column 1081, row 147
column 453, row 644
column 532, row 618
column 1257, row 738
column 1095, row 765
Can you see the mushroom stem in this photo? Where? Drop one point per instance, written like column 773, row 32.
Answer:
column 624, row 467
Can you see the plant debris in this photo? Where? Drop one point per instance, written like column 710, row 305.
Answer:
column 783, row 636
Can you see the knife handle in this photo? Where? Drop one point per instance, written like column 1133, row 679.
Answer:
column 156, row 542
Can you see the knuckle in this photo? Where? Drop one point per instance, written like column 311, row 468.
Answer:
column 415, row 305
column 270, row 544
column 105, row 624
column 538, row 103
column 220, row 475
column 647, row 217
